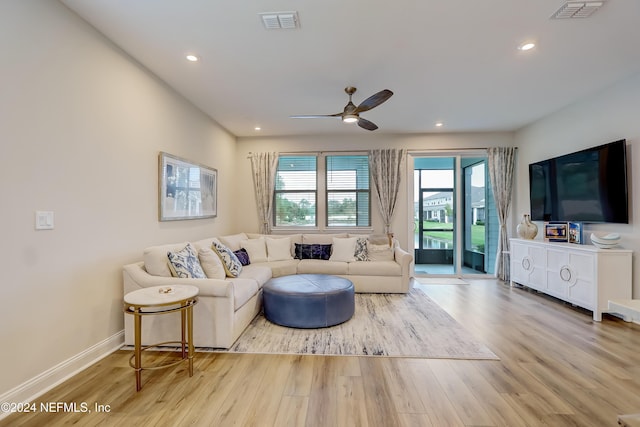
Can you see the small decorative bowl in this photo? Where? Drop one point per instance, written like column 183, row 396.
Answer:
column 605, row 242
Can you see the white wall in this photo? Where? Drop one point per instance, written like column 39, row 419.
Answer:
column 606, row 116
column 81, row 125
column 403, row 220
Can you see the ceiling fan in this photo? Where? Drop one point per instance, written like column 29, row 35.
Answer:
column 351, row 113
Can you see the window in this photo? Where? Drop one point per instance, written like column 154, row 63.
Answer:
column 347, row 183
column 296, row 191
column 342, row 182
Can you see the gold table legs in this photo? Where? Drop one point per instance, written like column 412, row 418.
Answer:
column 185, row 308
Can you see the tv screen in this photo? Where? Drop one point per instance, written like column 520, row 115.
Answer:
column 588, row 185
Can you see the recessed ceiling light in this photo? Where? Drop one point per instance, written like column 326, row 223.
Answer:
column 527, row 46
column 192, row 58
column 439, row 124
column 257, row 128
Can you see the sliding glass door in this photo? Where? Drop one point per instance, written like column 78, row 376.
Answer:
column 434, row 216
column 455, row 226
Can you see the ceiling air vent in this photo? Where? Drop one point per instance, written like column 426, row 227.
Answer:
column 577, row 9
column 280, row 20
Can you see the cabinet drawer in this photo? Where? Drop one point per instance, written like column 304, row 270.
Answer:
column 528, row 265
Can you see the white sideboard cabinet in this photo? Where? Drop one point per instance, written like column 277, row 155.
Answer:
column 582, row 275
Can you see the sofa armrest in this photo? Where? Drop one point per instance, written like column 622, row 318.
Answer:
column 403, row 258
column 136, row 277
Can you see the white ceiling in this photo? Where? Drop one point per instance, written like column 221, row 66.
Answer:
column 450, row 61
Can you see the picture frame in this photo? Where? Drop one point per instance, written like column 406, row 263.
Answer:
column 556, row 231
column 575, row 233
column 186, row 190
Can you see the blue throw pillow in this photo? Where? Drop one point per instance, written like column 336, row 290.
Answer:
column 243, row 256
column 317, row 251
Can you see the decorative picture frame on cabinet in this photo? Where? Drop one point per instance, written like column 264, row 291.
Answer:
column 575, row 233
column 186, row 190
column 556, row 231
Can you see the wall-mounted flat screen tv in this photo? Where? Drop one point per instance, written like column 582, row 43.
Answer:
column 588, row 185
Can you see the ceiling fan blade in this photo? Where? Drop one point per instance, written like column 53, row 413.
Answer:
column 316, row 116
column 374, row 100
column 366, row 124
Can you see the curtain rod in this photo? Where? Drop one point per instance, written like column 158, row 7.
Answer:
column 409, row 151
column 426, row 150
column 315, row 152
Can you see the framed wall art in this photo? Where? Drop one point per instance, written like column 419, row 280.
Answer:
column 187, row 190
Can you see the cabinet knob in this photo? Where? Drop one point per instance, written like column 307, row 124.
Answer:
column 526, row 263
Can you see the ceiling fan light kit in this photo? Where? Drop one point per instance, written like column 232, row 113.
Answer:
column 351, row 113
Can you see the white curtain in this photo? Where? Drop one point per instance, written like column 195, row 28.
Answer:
column 263, row 168
column 501, row 162
column 386, row 170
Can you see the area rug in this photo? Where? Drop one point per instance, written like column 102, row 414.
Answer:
column 441, row 281
column 394, row 325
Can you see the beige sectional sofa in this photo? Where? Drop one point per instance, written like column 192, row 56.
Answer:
column 228, row 304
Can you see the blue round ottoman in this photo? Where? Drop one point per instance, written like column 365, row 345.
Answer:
column 308, row 300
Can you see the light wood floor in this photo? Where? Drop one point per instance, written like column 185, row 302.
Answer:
column 557, row 368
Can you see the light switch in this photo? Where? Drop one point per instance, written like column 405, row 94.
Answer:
column 44, row 220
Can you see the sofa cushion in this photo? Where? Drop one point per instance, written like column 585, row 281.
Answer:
column 230, row 261
column 243, row 256
column 380, row 252
column 282, row 268
column 317, row 266
column 344, row 249
column 312, row 251
column 256, row 249
column 278, row 249
column 232, row 241
column 260, row 273
column 155, row 258
column 211, row 264
column 379, row 239
column 323, row 239
column 185, row 263
column 243, row 291
column 293, row 238
column 203, row 243
column 377, row 268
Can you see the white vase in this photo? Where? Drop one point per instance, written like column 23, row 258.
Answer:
column 527, row 229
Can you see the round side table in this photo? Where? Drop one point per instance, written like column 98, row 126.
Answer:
column 159, row 300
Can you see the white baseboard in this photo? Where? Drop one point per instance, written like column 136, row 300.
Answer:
column 31, row 389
